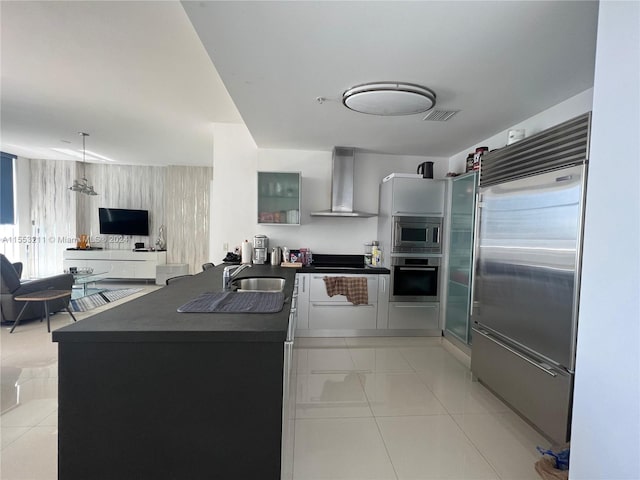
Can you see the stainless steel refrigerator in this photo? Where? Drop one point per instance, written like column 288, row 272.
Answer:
column 527, row 273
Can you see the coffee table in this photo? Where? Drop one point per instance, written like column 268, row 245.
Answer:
column 83, row 279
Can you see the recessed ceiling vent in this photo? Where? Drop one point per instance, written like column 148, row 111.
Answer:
column 440, row 115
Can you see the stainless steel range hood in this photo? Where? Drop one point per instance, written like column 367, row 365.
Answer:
column 342, row 178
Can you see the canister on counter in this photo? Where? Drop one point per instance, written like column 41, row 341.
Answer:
column 368, row 252
column 305, row 256
column 376, row 256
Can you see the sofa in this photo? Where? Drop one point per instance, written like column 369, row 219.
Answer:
column 12, row 287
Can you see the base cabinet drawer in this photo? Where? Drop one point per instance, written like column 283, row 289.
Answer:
column 340, row 316
column 423, row 316
column 542, row 395
column 318, row 289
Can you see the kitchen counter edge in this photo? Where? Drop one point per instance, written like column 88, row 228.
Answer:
column 154, row 318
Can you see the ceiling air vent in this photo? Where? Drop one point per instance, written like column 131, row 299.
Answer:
column 440, row 115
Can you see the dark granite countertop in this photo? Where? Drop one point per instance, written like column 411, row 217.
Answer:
column 154, row 317
column 343, row 270
column 342, row 264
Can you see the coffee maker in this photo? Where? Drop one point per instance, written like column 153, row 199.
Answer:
column 260, row 248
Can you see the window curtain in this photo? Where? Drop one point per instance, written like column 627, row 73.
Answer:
column 7, row 210
column 53, row 213
column 187, row 215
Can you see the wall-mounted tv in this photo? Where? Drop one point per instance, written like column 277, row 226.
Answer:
column 121, row 221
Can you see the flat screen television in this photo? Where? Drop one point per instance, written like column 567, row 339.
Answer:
column 121, row 221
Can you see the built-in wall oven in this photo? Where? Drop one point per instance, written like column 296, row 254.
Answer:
column 415, row 279
column 416, row 235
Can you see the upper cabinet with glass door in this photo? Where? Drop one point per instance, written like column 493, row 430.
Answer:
column 279, row 198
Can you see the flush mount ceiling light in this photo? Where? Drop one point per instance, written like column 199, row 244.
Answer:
column 389, row 98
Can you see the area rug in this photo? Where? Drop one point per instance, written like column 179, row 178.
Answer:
column 90, row 302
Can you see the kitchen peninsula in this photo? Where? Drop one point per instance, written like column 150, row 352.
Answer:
column 146, row 392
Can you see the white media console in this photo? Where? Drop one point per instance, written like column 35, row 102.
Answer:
column 116, row 263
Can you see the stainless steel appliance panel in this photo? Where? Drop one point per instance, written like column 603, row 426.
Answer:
column 527, row 261
column 417, row 234
column 539, row 392
column 415, row 279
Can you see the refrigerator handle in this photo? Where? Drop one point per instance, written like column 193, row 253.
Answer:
column 474, row 250
column 515, row 352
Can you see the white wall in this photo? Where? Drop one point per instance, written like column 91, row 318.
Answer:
column 234, row 201
column 606, row 409
column 233, row 188
column 563, row 111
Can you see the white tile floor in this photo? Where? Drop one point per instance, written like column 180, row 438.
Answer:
column 367, row 408
column 402, row 408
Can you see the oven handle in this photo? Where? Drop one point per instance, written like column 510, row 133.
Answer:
column 515, row 352
column 417, row 214
column 412, row 306
column 417, row 269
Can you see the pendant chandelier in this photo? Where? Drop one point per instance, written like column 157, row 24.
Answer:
column 82, row 185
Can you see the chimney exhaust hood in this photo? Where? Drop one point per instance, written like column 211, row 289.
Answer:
column 342, row 178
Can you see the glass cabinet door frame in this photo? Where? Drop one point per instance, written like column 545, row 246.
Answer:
column 278, row 198
column 455, row 287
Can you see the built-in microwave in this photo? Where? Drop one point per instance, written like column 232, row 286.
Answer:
column 417, row 235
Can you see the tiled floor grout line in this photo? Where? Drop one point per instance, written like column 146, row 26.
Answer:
column 451, row 415
column 29, row 428
column 386, row 448
column 447, row 413
column 489, row 462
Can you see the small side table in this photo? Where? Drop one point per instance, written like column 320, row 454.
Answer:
column 42, row 296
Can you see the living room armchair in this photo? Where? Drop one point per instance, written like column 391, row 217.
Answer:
column 12, row 287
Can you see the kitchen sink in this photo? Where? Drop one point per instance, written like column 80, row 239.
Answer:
column 258, row 284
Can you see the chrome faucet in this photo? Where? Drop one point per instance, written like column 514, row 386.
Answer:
column 230, row 272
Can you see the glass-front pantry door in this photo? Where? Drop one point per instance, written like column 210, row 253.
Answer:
column 463, row 203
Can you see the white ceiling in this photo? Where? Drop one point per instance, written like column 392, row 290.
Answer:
column 133, row 75
column 136, row 77
column 498, row 62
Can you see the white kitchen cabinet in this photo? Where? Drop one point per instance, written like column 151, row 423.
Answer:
column 318, row 291
column 303, row 300
column 383, row 302
column 338, row 316
column 416, row 196
column 414, row 315
column 337, row 313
